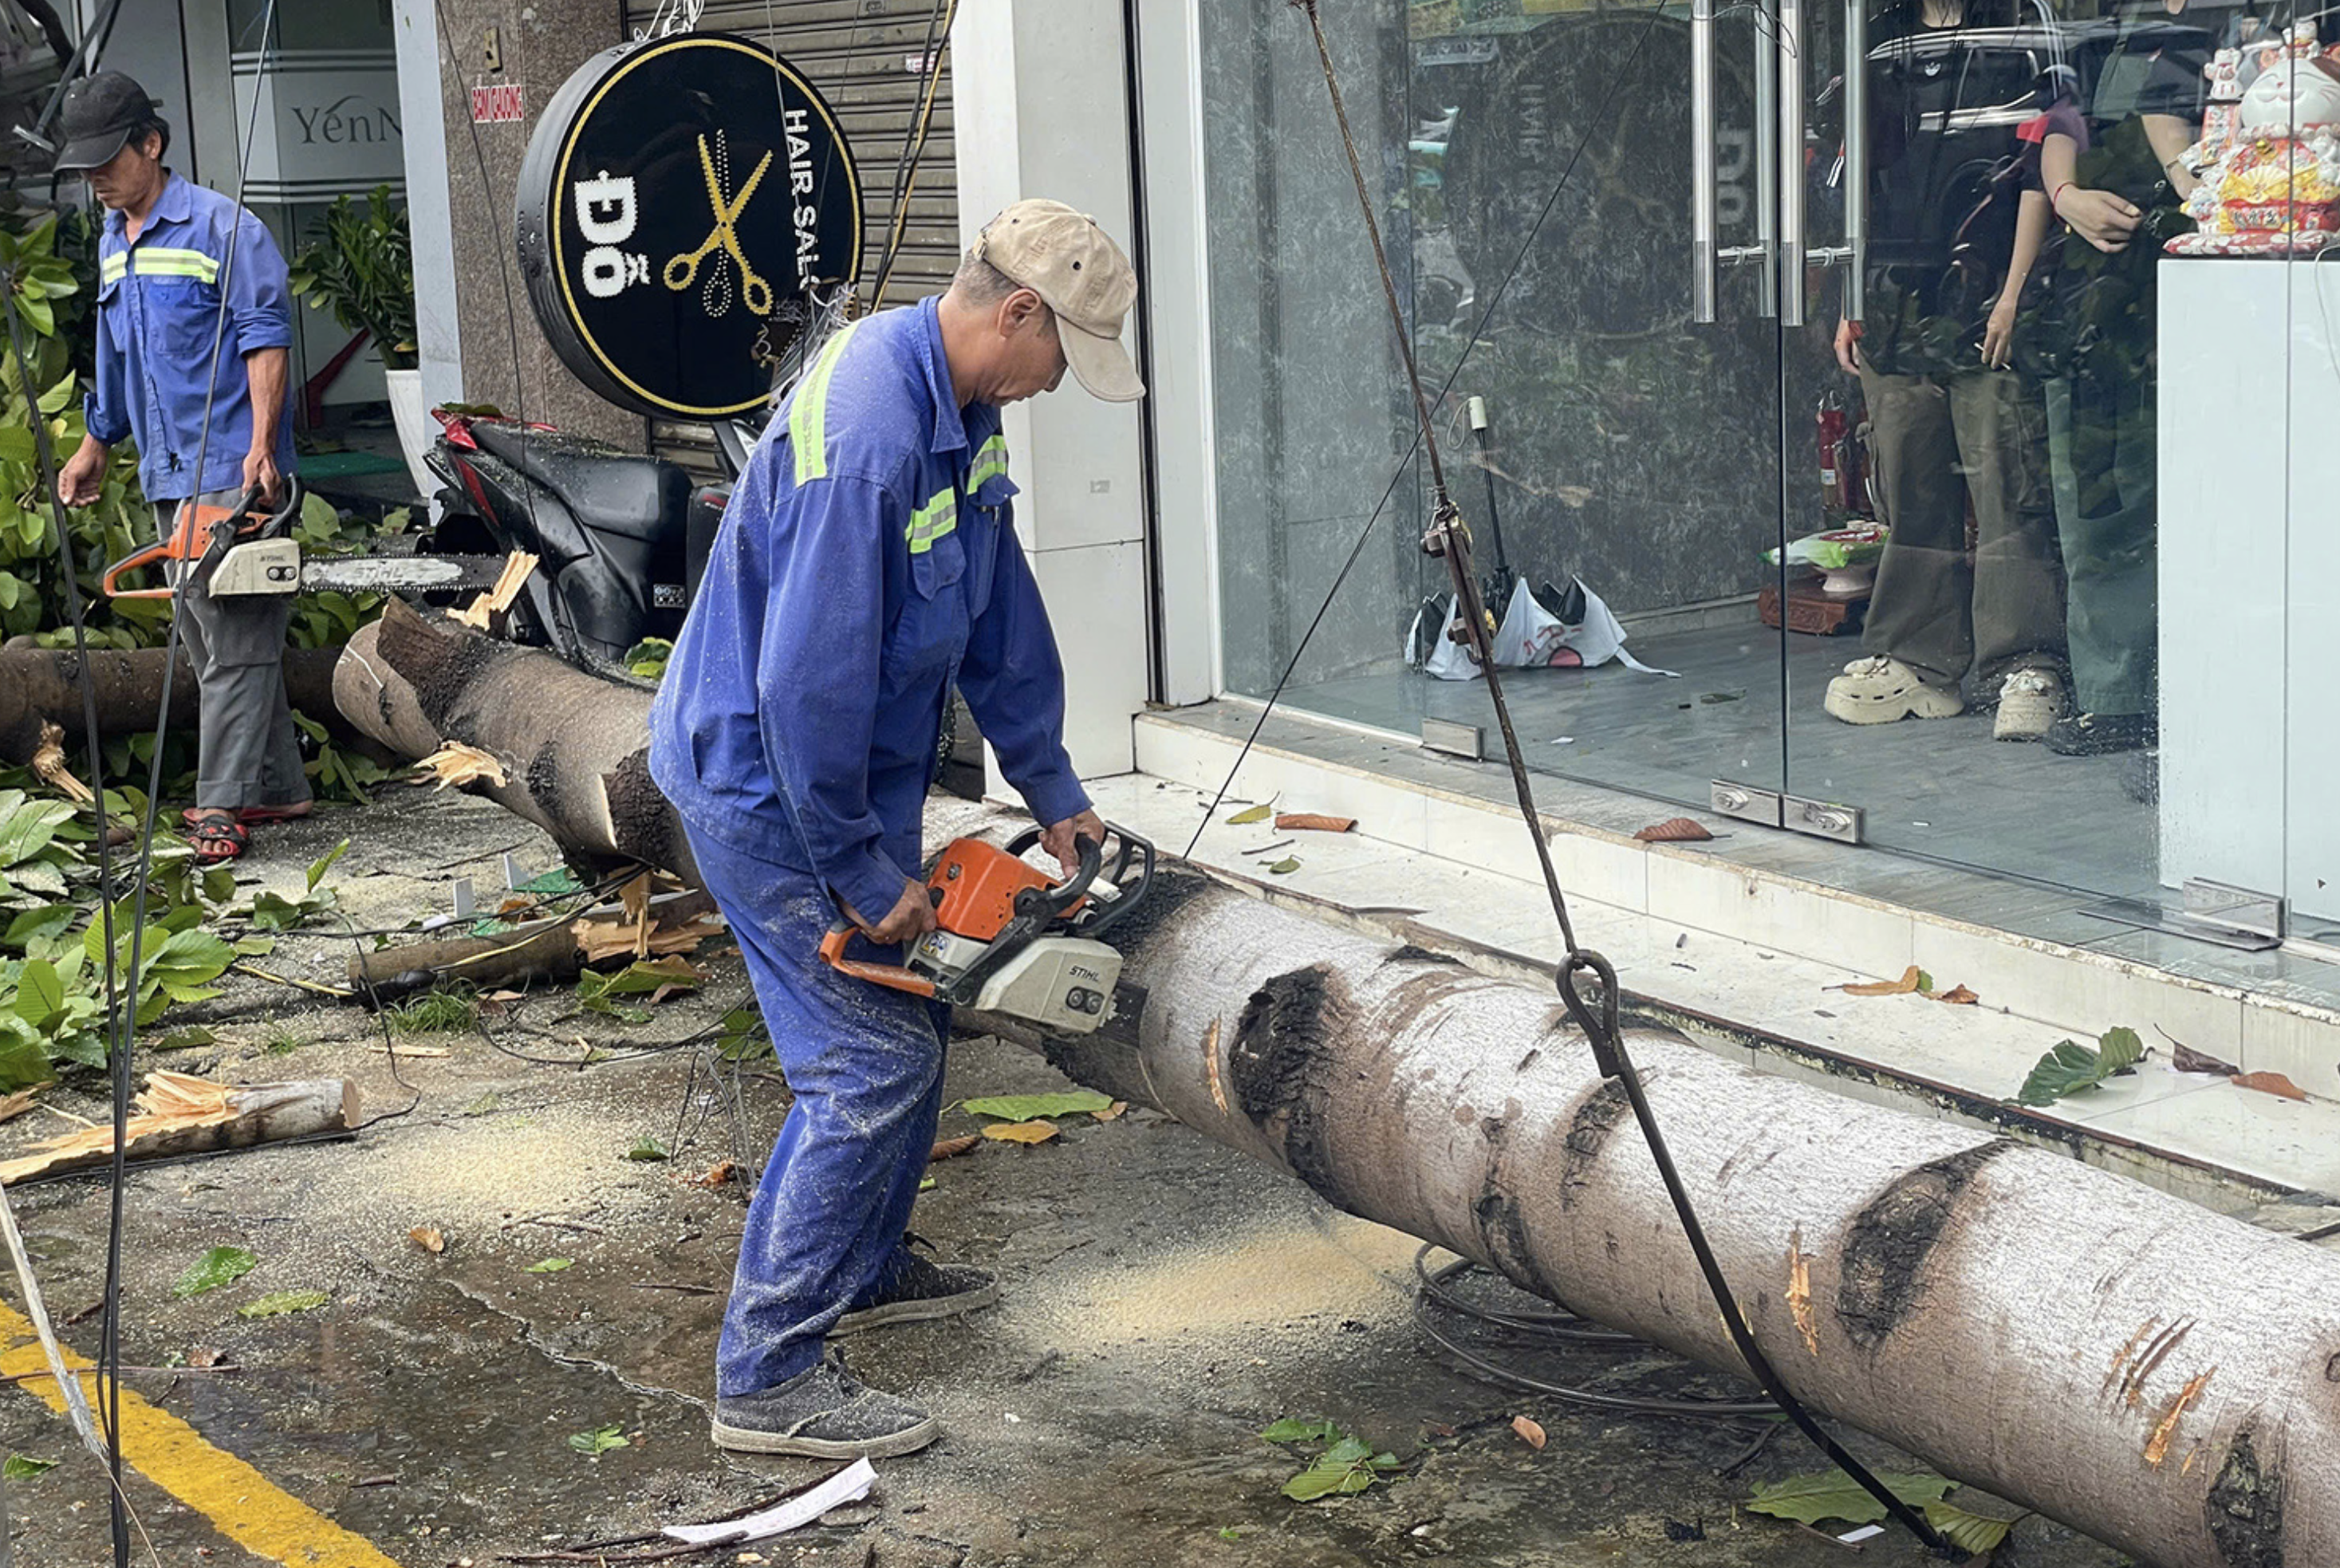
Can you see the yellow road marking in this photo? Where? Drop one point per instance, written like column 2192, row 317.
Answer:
column 248, row 1508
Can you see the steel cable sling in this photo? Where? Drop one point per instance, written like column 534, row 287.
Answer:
column 1450, row 537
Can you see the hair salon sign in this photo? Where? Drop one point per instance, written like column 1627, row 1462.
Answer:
column 681, row 200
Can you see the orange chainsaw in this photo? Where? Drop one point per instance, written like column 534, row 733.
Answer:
column 1008, row 938
column 244, row 550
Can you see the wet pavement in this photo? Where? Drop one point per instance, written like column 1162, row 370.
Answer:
column 1164, row 1300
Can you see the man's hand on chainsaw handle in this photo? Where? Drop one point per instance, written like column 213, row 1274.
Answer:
column 912, row 916
column 260, row 472
column 83, row 479
column 1059, row 838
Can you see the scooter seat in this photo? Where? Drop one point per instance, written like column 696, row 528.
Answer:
column 606, row 490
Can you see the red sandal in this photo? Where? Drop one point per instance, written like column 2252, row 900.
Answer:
column 250, row 816
column 218, row 836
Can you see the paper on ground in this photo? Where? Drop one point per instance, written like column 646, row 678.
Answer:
column 849, row 1484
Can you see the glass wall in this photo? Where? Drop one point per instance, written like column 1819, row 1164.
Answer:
column 1980, row 504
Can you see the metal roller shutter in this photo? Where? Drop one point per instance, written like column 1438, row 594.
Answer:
column 865, row 56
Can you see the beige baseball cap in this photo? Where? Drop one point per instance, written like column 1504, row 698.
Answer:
column 1079, row 274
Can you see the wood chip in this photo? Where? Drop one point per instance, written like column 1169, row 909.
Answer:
column 49, row 765
column 2187, row 1060
column 1674, row 830
column 499, row 599
column 1905, row 986
column 429, row 1240
column 1211, row 1067
column 1112, row 1112
column 1530, row 1432
column 719, row 1174
column 1021, row 1132
column 951, row 1148
column 2270, row 1083
column 599, row 939
column 456, row 763
column 1312, row 822
column 1957, row 997
column 17, row 1104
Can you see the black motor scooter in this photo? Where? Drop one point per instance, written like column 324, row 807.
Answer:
column 620, row 537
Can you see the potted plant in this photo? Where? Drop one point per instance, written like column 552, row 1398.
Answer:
column 359, row 260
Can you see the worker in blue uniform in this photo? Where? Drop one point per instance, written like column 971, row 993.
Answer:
column 868, row 562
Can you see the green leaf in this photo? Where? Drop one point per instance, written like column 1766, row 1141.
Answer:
column 1254, row 814
column 40, row 994
column 1291, row 1430
column 277, row 1303
column 1348, row 1466
column 186, row 1039
column 1975, row 1533
column 1833, row 1495
column 24, row 1467
column 646, row 1149
column 550, row 1265
column 2071, row 1067
column 317, row 869
column 36, row 933
column 1032, row 1107
column 255, row 947
column 219, row 884
column 1284, row 868
column 599, row 1440
column 221, row 1265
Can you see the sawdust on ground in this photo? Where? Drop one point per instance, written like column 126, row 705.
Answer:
column 1268, row 1291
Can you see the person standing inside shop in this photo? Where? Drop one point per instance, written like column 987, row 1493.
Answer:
column 1950, row 422
column 2112, row 175
column 194, row 326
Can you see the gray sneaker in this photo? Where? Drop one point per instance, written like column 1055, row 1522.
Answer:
column 923, row 1290
column 824, row 1413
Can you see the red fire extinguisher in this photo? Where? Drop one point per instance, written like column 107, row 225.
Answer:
column 1834, row 428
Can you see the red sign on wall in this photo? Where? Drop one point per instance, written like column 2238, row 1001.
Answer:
column 496, row 105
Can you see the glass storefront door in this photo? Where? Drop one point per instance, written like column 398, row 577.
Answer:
column 1859, row 362
column 1535, row 167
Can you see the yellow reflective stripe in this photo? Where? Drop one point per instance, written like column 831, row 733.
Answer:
column 809, row 412
column 111, row 270
column 933, row 521
column 990, row 461
column 163, row 262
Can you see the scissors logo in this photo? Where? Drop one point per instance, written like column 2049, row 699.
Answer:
column 681, row 270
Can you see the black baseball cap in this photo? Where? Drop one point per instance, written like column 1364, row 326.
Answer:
column 99, row 112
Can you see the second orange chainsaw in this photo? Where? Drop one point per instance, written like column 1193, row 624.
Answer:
column 245, row 551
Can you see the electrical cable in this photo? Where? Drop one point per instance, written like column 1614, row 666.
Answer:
column 914, row 146
column 1448, row 537
column 1432, row 1289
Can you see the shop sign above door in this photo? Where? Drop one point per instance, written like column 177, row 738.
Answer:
column 326, row 123
column 681, row 200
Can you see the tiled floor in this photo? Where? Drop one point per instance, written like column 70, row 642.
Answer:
column 1784, row 1011
column 1745, row 711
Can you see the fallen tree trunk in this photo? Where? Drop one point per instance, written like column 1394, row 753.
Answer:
column 2162, row 1378
column 179, row 1115
column 41, row 685
column 574, row 748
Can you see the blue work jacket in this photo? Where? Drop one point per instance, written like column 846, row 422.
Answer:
column 867, row 560
column 159, row 303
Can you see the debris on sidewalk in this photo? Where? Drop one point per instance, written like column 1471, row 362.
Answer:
column 178, row 1114
column 851, row 1484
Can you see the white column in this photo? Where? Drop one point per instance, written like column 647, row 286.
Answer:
column 438, row 336
column 1038, row 110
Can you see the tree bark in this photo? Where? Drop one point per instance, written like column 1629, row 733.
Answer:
column 2164, row 1379
column 42, row 684
column 575, row 747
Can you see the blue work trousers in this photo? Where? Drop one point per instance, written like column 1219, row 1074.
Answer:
column 866, row 1063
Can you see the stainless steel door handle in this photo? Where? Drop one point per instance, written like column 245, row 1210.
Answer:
column 1791, row 99
column 1767, row 163
column 1856, row 158
column 1706, row 267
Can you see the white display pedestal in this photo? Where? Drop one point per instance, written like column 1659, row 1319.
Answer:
column 2248, row 453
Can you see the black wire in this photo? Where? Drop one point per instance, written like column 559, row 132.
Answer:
column 1478, row 334
column 1431, row 1289
column 914, row 146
